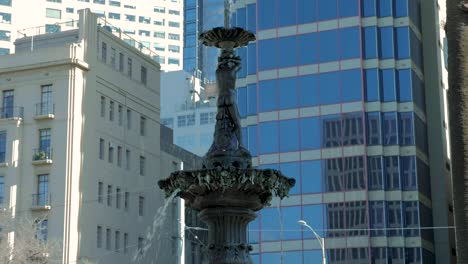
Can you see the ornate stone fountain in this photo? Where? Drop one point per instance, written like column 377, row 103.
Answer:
column 227, row 190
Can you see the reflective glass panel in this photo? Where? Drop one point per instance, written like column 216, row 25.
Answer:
column 310, row 132
column 268, row 137
column 311, row 176
column 308, row 90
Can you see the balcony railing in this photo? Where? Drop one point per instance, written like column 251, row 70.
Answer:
column 11, row 112
column 41, row 201
column 42, row 154
column 45, row 109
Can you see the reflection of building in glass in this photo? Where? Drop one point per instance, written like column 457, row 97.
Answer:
column 346, row 96
column 201, row 15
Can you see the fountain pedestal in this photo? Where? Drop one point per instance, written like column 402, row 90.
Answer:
column 227, row 191
column 227, row 236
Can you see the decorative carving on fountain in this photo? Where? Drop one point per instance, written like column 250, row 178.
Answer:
column 227, row 190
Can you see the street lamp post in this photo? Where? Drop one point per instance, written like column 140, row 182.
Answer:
column 320, row 239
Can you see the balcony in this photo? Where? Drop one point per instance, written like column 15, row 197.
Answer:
column 15, row 112
column 42, row 156
column 44, row 111
column 41, row 202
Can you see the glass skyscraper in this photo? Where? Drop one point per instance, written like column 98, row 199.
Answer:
column 345, row 96
column 200, row 16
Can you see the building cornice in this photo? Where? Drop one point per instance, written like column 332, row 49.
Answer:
column 73, row 62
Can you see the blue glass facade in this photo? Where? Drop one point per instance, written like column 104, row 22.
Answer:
column 199, row 16
column 332, row 93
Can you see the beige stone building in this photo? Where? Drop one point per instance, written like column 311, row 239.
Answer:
column 80, row 145
column 156, row 26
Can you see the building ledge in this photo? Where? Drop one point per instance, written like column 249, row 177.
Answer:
column 17, row 118
column 41, row 208
column 44, row 117
column 42, row 162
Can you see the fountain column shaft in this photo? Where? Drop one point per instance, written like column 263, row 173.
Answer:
column 227, row 235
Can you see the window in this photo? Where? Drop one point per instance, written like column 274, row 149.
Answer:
column 121, row 62
column 44, row 141
column 141, row 205
column 173, row 36
column 103, row 106
column 129, row 67
column 99, row 237
column 204, row 118
column 160, row 59
column 159, row 34
column 386, row 50
column 174, row 24
column 142, row 165
column 2, row 146
column 140, row 245
column 111, row 110
column 5, row 18
column 46, row 106
column 2, row 190
column 108, row 239
column 114, row 3
column 70, row 10
column 174, row 48
column 392, row 173
column 111, row 153
column 117, row 241
column 158, row 22
column 119, row 156
column 101, row 148
column 5, row 2
column 144, row 20
column 126, row 200
column 114, row 15
column 389, row 129
column 145, row 33
column 5, row 35
column 42, row 190
column 159, row 9
column 142, row 126
column 104, row 52
column 41, row 229
column 394, row 218
column 53, row 13
column 52, row 28
column 173, row 61
column 174, row 12
column 117, row 198
column 112, row 57
column 129, row 119
column 130, row 18
column 101, row 2
column 109, row 195
column 143, row 75
column 127, row 159
column 159, row 47
column 375, row 173
column 8, row 103
column 130, row 6
column 125, row 244
column 4, row 51
column 100, row 192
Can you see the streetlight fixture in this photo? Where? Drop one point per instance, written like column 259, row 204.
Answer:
column 320, row 239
